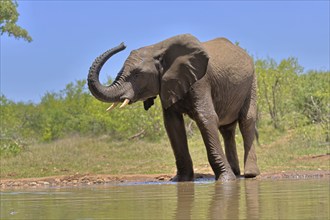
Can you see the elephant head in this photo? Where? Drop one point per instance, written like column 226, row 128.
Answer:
column 168, row 69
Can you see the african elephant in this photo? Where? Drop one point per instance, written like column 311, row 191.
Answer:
column 213, row 82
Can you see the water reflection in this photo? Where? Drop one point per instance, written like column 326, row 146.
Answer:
column 233, row 200
column 254, row 199
column 225, row 201
column 241, row 199
column 185, row 200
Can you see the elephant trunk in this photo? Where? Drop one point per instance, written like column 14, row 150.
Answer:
column 103, row 93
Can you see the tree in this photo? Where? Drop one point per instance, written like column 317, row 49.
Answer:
column 313, row 101
column 277, row 87
column 8, row 20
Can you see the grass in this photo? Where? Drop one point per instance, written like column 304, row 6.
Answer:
column 281, row 151
column 89, row 155
column 292, row 151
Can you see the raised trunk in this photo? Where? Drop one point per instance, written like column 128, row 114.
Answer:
column 103, row 93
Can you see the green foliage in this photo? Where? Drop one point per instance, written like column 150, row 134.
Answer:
column 10, row 147
column 18, row 120
column 74, row 111
column 313, row 104
column 314, row 101
column 288, row 100
column 276, row 88
column 8, row 20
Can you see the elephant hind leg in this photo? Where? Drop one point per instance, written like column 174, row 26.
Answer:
column 247, row 128
column 247, row 125
column 228, row 134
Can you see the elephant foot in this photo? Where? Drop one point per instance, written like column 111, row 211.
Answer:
column 183, row 178
column 251, row 171
column 226, row 176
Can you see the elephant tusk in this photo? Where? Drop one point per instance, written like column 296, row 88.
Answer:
column 112, row 106
column 124, row 103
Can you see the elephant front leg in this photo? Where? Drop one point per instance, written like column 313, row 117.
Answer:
column 208, row 126
column 176, row 132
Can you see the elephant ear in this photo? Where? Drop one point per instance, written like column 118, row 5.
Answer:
column 184, row 62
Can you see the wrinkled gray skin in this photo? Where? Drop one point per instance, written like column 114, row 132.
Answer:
column 213, row 82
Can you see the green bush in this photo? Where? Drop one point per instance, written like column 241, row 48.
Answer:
column 287, row 99
column 10, row 147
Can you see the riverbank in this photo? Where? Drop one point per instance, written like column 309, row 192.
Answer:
column 79, row 180
column 78, row 161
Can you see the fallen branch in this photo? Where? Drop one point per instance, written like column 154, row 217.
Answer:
column 137, row 135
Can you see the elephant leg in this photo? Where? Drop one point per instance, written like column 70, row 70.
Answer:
column 228, row 134
column 176, row 132
column 208, row 126
column 247, row 128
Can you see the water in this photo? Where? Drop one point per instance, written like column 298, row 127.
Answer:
column 242, row 199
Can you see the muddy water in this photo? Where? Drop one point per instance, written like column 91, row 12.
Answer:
column 242, row 199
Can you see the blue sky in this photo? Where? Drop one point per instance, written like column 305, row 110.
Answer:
column 69, row 35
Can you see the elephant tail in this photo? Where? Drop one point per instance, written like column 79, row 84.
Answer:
column 257, row 135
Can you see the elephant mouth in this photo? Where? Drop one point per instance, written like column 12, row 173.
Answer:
column 124, row 103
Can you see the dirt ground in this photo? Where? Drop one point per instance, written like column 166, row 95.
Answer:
column 90, row 179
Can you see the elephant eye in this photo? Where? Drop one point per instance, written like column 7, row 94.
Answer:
column 138, row 71
column 136, row 74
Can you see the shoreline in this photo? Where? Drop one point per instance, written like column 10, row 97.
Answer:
column 79, row 180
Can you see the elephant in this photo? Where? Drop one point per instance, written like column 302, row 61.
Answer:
column 213, row 82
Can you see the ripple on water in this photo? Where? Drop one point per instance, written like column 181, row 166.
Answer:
column 203, row 199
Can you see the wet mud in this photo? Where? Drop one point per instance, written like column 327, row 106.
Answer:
column 90, row 179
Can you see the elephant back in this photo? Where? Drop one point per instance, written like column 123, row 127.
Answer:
column 229, row 60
